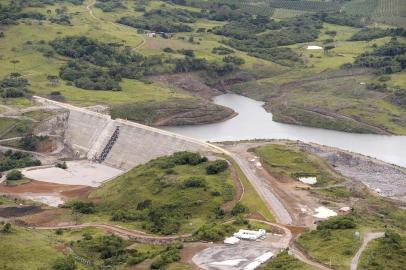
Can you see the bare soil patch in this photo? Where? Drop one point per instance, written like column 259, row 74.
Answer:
column 19, row 211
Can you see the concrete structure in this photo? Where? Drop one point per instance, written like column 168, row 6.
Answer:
column 231, row 240
column 119, row 143
column 250, row 235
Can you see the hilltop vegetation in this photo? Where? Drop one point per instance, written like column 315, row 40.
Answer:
column 266, row 59
column 167, row 194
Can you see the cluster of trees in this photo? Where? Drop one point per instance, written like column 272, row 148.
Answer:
column 213, row 232
column 337, row 223
column 341, row 18
column 290, row 31
column 10, row 14
column 13, row 86
column 386, row 59
column 110, row 5
column 31, row 142
column 161, row 20
column 14, row 175
column 169, row 255
column 374, row 33
column 217, row 166
column 81, row 207
column 221, row 50
column 101, row 66
column 43, row 3
column 16, row 159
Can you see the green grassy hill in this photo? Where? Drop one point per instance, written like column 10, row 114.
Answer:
column 166, row 195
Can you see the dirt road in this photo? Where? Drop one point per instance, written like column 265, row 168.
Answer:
column 138, row 235
column 367, row 238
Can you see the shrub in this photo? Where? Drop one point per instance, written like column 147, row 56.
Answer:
column 14, row 175
column 213, row 232
column 7, row 228
column 233, row 59
column 183, row 158
column 64, row 263
column 62, row 165
column 217, row 166
column 195, row 182
column 239, row 208
column 339, row 222
column 81, row 207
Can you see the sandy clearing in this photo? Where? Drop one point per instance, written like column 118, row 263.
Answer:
column 81, row 172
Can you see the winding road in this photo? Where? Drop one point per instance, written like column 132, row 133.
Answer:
column 368, row 237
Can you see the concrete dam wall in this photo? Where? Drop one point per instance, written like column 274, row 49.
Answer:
column 120, row 143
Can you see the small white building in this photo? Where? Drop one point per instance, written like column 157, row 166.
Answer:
column 231, row 240
column 250, row 235
column 151, row 35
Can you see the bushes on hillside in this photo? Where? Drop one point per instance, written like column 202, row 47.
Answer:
column 188, row 158
column 81, row 207
column 217, row 166
column 13, row 86
column 194, row 182
column 213, row 232
column 336, row 223
column 14, row 175
column 16, row 159
column 64, row 263
column 31, row 142
column 170, row 255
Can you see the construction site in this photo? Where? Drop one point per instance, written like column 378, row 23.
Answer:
column 96, row 149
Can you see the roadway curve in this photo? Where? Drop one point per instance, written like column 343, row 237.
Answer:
column 368, row 237
column 138, row 235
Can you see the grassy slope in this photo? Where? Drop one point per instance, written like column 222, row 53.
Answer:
column 151, row 182
column 26, row 249
column 294, row 162
column 361, row 110
column 383, row 255
column 284, row 261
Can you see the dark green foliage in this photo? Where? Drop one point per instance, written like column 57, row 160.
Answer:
column 290, row 31
column 168, row 50
column 233, row 59
column 10, row 14
column 221, row 50
column 386, row 59
column 379, row 87
column 10, row 160
column 6, row 228
column 338, row 222
column 370, row 34
column 64, row 263
column 13, row 86
column 187, row 52
column 398, row 98
column 213, row 232
column 14, row 175
column 86, row 76
column 31, row 142
column 195, row 182
column 160, row 20
column 81, row 207
column 385, row 253
column 341, row 18
column 284, row 261
column 164, row 219
column 109, row 5
column 62, row 165
column 216, row 167
column 190, row 158
column 170, row 255
column 100, row 66
column 239, row 208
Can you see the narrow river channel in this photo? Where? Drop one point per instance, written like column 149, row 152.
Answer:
column 253, row 122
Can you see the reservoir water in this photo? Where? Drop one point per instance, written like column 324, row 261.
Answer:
column 253, row 122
